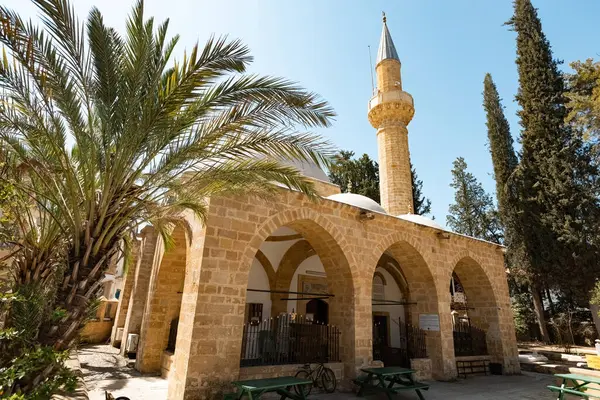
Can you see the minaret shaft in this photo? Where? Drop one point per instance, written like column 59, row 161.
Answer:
column 390, row 112
column 395, row 184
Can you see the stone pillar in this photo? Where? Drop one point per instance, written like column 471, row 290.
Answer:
column 162, row 305
column 209, row 340
column 151, row 252
column 125, row 295
column 440, row 346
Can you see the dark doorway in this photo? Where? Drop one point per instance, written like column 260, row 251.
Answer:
column 380, row 331
column 319, row 310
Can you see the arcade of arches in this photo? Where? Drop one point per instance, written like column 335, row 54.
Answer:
column 233, row 271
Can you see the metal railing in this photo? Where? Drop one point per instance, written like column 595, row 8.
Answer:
column 469, row 340
column 412, row 345
column 289, row 339
column 416, row 343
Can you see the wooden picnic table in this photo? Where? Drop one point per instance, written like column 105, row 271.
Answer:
column 575, row 385
column 389, row 380
column 255, row 388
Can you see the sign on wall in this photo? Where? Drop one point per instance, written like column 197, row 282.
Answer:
column 429, row 322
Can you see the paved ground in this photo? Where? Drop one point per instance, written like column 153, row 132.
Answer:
column 104, row 370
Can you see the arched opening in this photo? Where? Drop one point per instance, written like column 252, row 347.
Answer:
column 403, row 294
column 474, row 312
column 317, row 311
column 305, row 305
column 161, row 315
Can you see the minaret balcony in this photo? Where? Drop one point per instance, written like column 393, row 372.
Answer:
column 396, row 96
column 394, row 107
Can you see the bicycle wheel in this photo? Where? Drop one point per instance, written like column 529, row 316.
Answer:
column 299, row 389
column 328, row 380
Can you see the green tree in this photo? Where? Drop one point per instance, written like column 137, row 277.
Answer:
column 473, row 212
column 558, row 211
column 113, row 132
column 361, row 176
column 584, row 100
column 505, row 162
column 421, row 204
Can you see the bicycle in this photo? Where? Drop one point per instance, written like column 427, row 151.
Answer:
column 109, row 396
column 321, row 376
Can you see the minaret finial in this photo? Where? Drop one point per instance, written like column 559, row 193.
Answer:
column 383, row 15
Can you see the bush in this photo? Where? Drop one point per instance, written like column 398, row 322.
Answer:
column 28, row 370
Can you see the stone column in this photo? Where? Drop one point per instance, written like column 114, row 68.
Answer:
column 151, row 252
column 125, row 295
column 162, row 305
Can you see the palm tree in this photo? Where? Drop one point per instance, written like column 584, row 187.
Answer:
column 113, row 132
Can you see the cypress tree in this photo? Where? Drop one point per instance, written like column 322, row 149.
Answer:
column 503, row 153
column 557, row 208
column 505, row 163
column 473, row 211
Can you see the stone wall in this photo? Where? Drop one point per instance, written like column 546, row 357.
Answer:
column 98, row 329
column 166, row 363
column 423, row 368
column 272, row 371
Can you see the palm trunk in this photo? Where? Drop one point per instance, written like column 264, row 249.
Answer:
column 538, row 307
column 79, row 286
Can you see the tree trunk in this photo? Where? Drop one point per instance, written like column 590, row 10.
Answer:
column 550, row 302
column 80, row 284
column 538, row 307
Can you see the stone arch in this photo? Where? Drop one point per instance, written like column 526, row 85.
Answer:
column 380, row 276
column 415, row 269
column 424, row 291
column 267, row 266
column 163, row 304
column 483, row 308
column 396, row 272
column 291, row 260
column 335, row 255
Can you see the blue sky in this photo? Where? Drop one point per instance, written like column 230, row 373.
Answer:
column 446, row 47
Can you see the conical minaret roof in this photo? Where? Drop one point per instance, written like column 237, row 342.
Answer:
column 387, row 50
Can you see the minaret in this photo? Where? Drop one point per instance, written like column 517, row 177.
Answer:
column 390, row 112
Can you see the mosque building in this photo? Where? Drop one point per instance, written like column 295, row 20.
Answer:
column 262, row 287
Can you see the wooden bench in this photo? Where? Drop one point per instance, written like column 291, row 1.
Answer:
column 472, row 367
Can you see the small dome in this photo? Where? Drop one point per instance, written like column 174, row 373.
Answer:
column 358, row 200
column 421, row 220
column 308, row 169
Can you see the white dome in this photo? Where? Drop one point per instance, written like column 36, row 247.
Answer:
column 358, row 200
column 308, row 169
column 421, row 220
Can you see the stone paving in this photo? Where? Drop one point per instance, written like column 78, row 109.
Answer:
column 104, row 369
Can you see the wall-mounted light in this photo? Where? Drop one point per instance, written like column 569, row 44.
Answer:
column 443, row 235
column 365, row 215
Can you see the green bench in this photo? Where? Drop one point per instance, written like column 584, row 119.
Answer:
column 575, row 385
column 253, row 389
column 562, row 390
column 390, row 380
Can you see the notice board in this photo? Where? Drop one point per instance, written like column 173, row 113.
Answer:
column 429, row 322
